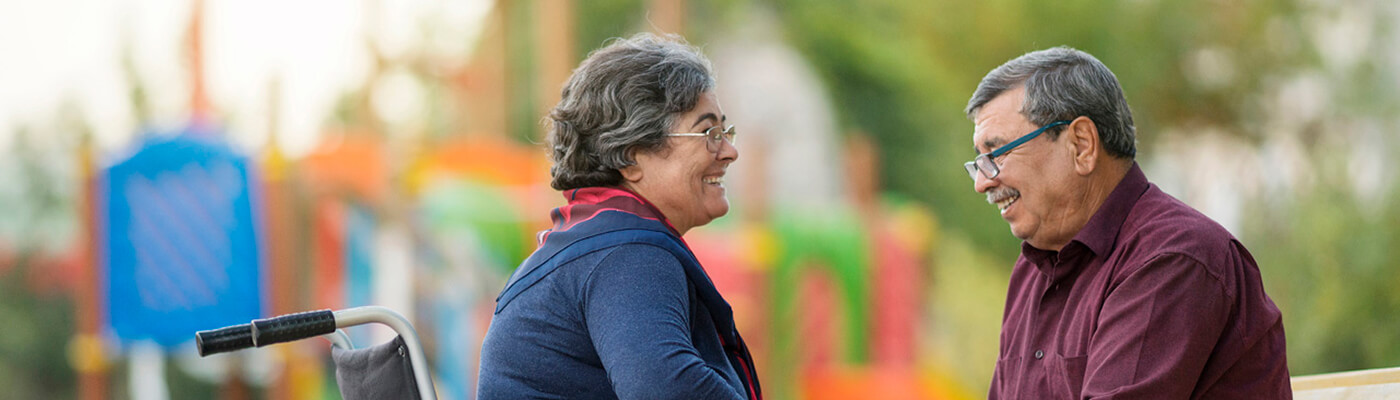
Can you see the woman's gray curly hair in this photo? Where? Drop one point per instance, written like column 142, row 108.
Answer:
column 622, row 99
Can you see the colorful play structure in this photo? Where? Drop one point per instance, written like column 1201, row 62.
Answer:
column 832, row 298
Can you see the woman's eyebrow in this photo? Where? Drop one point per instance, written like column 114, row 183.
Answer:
column 710, row 116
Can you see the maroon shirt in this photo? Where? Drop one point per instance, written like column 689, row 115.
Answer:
column 1151, row 300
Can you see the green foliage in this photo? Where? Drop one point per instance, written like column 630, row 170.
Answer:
column 875, row 58
column 601, row 20
column 33, row 348
column 521, row 71
column 903, row 71
column 1328, row 262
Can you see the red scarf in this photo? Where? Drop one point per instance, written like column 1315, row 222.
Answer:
column 586, row 203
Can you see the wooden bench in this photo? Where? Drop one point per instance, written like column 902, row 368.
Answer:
column 1366, row 384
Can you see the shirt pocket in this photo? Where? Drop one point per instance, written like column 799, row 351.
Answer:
column 1070, row 371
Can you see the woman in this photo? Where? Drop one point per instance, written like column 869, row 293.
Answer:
column 613, row 304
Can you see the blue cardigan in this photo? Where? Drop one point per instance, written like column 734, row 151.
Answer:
column 614, row 307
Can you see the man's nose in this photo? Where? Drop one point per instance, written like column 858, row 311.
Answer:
column 981, row 183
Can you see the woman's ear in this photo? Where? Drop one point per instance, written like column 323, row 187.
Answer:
column 633, row 173
column 1084, row 138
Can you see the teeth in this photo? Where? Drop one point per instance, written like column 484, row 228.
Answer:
column 1006, row 202
column 715, row 180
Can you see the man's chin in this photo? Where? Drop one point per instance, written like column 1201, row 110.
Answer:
column 1020, row 234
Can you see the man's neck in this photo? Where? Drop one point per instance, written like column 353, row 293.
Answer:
column 1096, row 190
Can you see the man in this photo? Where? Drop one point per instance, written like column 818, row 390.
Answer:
column 1121, row 291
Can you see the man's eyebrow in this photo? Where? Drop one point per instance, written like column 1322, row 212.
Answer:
column 709, row 116
column 990, row 144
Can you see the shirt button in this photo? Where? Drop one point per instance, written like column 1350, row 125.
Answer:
column 1039, row 354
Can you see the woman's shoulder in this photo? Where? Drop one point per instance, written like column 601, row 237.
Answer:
column 633, row 274
column 641, row 260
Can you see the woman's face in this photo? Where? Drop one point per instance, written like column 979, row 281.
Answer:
column 685, row 180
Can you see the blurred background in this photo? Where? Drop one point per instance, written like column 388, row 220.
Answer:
column 168, row 166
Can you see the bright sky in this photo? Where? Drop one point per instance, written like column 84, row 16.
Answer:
column 54, row 51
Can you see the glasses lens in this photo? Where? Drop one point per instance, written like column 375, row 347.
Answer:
column 989, row 168
column 712, row 139
column 971, row 169
column 715, row 135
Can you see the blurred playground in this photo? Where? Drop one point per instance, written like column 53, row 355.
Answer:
column 168, row 166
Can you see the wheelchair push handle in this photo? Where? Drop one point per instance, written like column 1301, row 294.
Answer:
column 263, row 332
column 223, row 340
column 291, row 327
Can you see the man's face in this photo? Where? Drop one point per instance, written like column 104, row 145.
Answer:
column 1034, row 189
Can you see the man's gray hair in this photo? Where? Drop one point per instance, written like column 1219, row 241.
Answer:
column 1061, row 84
column 622, row 99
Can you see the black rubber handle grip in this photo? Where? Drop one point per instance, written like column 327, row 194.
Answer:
column 291, row 327
column 222, row 340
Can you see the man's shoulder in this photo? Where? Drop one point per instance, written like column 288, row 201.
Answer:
column 1161, row 224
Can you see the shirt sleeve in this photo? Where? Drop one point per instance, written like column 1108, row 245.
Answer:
column 1155, row 332
column 637, row 309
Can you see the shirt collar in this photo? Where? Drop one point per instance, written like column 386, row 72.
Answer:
column 1101, row 232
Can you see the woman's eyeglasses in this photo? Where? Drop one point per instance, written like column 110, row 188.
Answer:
column 713, row 136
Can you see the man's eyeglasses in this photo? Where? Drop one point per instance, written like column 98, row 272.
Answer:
column 713, row 136
column 986, row 162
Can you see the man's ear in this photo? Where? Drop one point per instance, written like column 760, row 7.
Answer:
column 1084, row 141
